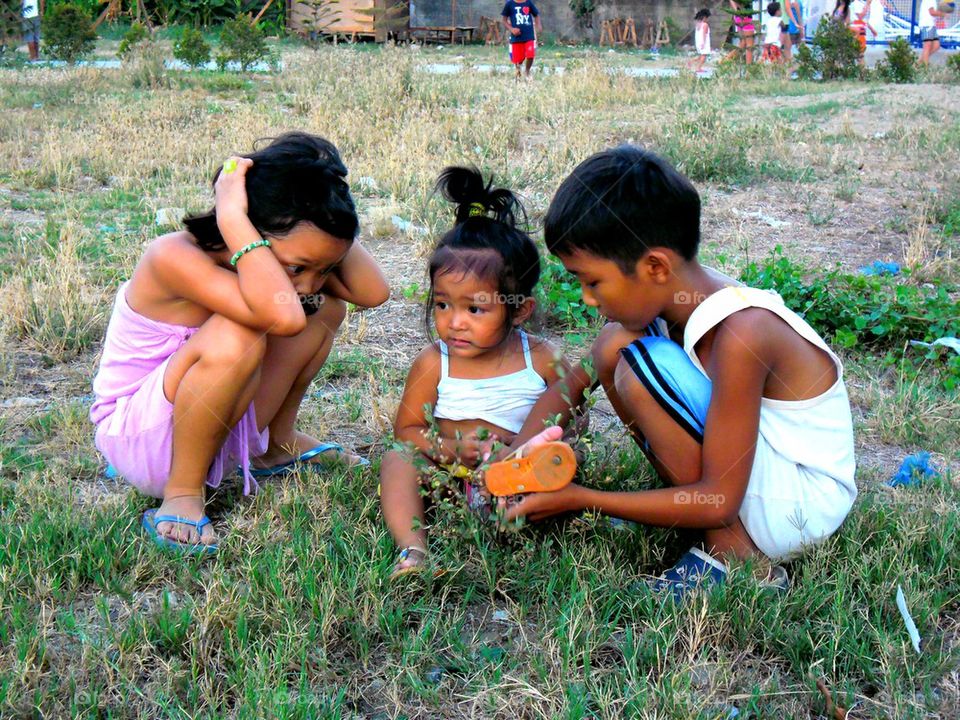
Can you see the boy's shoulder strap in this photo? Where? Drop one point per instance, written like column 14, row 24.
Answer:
column 725, row 302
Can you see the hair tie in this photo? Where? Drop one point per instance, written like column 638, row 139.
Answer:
column 477, row 210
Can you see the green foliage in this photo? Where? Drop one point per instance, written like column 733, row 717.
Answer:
column 242, row 42
column 560, row 300
column 319, row 15
column 899, row 64
column 204, row 13
column 68, row 33
column 835, row 54
column 191, row 49
column 860, row 311
column 136, row 34
column 953, row 65
column 583, row 8
column 11, row 26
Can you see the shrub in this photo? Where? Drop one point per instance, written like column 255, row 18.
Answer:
column 136, row 34
column 899, row 64
column 146, row 66
column 859, row 310
column 242, row 42
column 191, row 49
column 835, row 54
column 68, row 33
column 953, row 64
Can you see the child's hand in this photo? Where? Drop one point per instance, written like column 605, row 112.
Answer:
column 230, row 191
column 514, row 31
column 472, row 449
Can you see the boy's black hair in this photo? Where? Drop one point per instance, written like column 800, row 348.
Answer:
column 485, row 241
column 772, row 8
column 621, row 202
column 702, row 14
column 297, row 178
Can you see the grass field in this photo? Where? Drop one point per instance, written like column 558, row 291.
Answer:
column 295, row 618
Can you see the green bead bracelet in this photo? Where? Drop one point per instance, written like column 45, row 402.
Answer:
column 247, row 248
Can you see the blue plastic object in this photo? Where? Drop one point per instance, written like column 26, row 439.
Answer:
column 914, row 470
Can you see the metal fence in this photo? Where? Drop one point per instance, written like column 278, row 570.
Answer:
column 891, row 19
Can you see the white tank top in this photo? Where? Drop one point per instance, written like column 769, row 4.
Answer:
column 504, row 401
column 816, row 433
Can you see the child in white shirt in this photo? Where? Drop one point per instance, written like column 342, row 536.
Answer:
column 771, row 37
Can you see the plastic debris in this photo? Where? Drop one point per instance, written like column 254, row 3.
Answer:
column 407, row 226
column 914, row 470
column 435, row 674
column 169, row 216
column 110, row 473
column 500, row 616
column 878, row 267
column 947, row 342
column 907, row 620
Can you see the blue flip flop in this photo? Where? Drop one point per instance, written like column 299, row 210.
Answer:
column 696, row 569
column 150, row 520
column 288, row 467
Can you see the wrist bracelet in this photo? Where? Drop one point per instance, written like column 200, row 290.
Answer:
column 247, row 248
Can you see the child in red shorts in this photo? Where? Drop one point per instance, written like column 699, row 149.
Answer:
column 522, row 20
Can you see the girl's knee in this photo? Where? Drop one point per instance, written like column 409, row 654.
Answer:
column 332, row 313
column 235, row 346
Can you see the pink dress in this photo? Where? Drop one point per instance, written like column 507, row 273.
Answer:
column 134, row 419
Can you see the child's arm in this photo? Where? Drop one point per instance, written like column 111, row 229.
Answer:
column 358, row 279
column 566, row 394
column 505, row 16
column 730, row 438
column 249, row 296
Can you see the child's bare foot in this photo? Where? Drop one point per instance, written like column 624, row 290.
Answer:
column 284, row 451
column 188, row 508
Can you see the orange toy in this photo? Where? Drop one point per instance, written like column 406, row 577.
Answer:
column 548, row 467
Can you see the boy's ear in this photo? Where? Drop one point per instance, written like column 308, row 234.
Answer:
column 656, row 265
column 524, row 311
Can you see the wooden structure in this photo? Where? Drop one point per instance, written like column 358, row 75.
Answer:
column 618, row 31
column 662, row 36
column 349, row 19
column 491, row 30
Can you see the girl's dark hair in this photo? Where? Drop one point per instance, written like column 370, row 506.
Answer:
column 485, row 241
column 702, row 14
column 296, row 178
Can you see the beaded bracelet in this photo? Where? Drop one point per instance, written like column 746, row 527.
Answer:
column 247, row 248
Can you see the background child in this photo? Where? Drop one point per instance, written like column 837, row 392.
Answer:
column 746, row 29
column 771, row 38
column 736, row 401
column 792, row 35
column 927, row 20
column 701, row 39
column 859, row 25
column 522, row 20
column 484, row 373
column 216, row 337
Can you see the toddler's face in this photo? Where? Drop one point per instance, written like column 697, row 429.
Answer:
column 468, row 313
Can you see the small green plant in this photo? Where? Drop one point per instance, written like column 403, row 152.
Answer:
column 899, row 64
column 146, row 66
column 835, row 54
column 859, row 310
column 135, row 35
column 560, row 298
column 68, row 33
column 953, row 65
column 191, row 49
column 242, row 42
